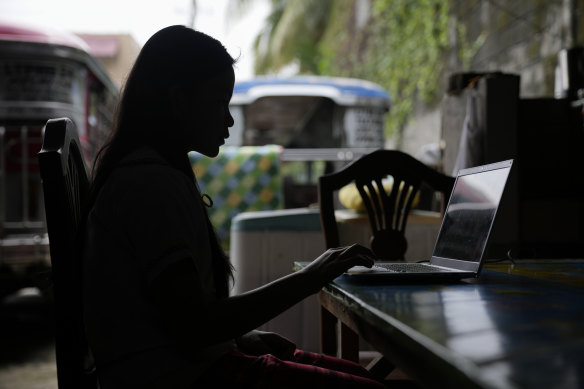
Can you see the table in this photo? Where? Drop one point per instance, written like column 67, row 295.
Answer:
column 517, row 326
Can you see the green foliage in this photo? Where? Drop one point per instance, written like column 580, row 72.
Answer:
column 263, row 41
column 402, row 46
column 291, row 34
column 401, row 49
column 466, row 49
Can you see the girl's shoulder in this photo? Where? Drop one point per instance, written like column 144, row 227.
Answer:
column 145, row 173
column 143, row 158
column 146, row 165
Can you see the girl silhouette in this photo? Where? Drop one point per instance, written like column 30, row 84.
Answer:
column 157, row 308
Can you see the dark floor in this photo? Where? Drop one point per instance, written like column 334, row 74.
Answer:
column 27, row 359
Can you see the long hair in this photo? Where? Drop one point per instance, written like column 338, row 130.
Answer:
column 174, row 56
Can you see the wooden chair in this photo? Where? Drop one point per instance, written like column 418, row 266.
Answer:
column 387, row 212
column 65, row 187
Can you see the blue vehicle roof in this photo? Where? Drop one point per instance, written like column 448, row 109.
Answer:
column 344, row 91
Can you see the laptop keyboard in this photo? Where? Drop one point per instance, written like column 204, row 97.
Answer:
column 411, row 267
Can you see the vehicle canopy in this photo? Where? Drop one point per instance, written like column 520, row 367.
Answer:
column 308, row 112
column 44, row 74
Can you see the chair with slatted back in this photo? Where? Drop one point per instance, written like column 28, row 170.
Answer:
column 65, row 187
column 387, row 210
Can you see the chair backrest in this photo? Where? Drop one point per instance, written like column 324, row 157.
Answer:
column 387, row 210
column 65, row 187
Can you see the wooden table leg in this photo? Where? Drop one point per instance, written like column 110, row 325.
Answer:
column 348, row 343
column 328, row 332
column 337, row 338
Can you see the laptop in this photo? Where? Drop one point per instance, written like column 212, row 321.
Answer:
column 461, row 243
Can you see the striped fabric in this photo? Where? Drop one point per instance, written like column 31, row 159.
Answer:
column 304, row 370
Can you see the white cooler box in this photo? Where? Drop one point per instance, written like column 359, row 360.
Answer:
column 264, row 247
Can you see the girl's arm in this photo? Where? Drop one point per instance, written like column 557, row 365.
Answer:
column 201, row 321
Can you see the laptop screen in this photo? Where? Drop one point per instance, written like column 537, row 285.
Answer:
column 470, row 214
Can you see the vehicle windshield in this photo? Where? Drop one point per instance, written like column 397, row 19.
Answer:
column 292, row 122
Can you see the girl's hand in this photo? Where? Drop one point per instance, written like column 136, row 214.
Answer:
column 335, row 262
column 259, row 342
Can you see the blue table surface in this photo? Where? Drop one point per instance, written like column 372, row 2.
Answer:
column 520, row 325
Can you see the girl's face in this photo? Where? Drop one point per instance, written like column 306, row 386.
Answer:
column 206, row 118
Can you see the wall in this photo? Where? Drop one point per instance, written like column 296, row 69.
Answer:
column 522, row 37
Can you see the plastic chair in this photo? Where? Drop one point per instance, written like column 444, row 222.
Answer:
column 65, row 187
column 387, row 212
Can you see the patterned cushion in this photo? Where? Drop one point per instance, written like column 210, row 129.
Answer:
column 239, row 179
